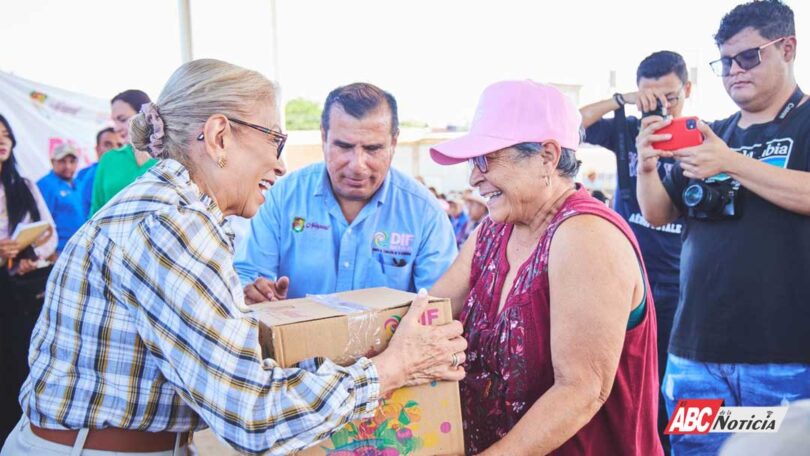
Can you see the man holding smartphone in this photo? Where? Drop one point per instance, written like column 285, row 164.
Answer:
column 741, row 331
column 663, row 85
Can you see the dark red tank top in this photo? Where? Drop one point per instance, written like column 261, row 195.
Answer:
column 509, row 356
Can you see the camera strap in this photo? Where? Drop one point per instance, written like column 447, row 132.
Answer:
column 622, row 160
column 790, row 105
column 786, row 110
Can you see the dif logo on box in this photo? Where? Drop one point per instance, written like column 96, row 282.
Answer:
column 427, row 318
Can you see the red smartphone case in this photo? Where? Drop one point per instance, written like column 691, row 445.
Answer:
column 684, row 134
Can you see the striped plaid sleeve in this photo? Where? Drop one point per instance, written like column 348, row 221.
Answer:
column 182, row 293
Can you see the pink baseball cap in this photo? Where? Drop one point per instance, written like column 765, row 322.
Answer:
column 514, row 112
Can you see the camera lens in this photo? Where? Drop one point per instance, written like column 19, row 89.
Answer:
column 693, row 195
column 691, row 124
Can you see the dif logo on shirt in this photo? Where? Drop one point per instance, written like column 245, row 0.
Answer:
column 385, row 240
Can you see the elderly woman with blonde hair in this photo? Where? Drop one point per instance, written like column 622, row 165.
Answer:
column 144, row 335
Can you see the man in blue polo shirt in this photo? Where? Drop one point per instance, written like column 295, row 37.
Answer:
column 352, row 221
column 61, row 195
column 106, row 139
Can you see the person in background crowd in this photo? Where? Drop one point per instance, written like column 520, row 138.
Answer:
column 590, row 180
column 22, row 285
column 120, row 167
column 548, row 370
column 443, row 204
column 145, row 335
column 741, row 330
column 662, row 78
column 458, row 219
column 106, row 140
column 353, row 217
column 61, row 194
column 601, row 197
column 476, row 211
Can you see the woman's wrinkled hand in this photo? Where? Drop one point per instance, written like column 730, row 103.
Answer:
column 419, row 354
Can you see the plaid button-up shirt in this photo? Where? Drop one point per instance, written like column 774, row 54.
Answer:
column 144, row 327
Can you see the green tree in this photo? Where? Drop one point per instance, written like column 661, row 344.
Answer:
column 413, row 124
column 303, row 114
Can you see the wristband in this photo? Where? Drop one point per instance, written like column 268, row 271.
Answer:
column 619, row 99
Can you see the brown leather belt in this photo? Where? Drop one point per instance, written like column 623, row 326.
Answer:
column 114, row 439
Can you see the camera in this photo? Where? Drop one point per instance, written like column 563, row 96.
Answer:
column 660, row 110
column 713, row 199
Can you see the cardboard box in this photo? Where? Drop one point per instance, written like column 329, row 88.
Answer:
column 423, row 420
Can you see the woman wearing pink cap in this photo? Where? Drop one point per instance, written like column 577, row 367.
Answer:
column 552, row 291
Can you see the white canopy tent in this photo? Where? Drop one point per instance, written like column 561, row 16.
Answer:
column 43, row 117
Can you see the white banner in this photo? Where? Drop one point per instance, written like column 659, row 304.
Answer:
column 43, row 117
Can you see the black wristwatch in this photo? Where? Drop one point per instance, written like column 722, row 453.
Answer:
column 619, row 99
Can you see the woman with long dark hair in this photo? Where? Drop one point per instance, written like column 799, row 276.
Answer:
column 20, row 294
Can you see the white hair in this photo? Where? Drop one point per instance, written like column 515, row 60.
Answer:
column 196, row 91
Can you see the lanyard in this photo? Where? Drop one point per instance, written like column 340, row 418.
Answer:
column 788, row 107
column 791, row 104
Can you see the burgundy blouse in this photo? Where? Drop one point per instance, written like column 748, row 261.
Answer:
column 509, row 362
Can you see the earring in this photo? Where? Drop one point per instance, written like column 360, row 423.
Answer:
column 200, row 138
column 221, row 162
column 548, row 180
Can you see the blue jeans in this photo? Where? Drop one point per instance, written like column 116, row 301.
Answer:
column 737, row 384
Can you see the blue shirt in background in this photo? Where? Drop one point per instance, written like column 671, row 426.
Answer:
column 65, row 203
column 460, row 226
column 84, row 183
column 401, row 239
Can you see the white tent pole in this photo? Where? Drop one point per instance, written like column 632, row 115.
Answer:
column 273, row 10
column 276, row 71
column 184, row 11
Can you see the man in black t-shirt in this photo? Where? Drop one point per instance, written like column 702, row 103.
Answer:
column 661, row 77
column 741, row 329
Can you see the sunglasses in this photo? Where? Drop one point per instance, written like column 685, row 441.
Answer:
column 278, row 138
column 746, row 59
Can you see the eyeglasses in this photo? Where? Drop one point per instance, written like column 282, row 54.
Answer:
column 479, row 162
column 674, row 98
column 746, row 59
column 279, row 138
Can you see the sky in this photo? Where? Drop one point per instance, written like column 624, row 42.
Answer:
column 435, row 56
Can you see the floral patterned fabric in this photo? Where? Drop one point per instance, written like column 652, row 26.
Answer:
column 509, row 356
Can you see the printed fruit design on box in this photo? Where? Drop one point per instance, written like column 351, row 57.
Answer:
column 391, row 432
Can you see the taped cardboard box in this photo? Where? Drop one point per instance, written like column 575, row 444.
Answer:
column 423, row 420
